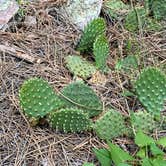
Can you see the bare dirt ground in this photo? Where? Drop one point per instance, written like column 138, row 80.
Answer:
column 44, row 46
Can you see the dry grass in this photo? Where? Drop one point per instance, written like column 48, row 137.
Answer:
column 51, row 40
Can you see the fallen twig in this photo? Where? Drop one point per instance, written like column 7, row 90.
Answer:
column 14, row 51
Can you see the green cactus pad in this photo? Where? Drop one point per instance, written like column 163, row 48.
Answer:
column 80, row 67
column 158, row 8
column 116, row 8
column 143, row 121
column 37, row 98
column 69, row 120
column 128, row 64
column 101, row 51
column 79, row 95
column 151, row 89
column 95, row 28
column 132, row 23
column 110, row 125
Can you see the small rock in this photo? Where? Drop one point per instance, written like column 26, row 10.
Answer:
column 80, row 12
column 30, row 21
column 7, row 10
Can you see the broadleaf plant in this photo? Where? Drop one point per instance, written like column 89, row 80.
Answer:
column 148, row 154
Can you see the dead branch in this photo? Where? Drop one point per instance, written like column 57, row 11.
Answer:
column 15, row 51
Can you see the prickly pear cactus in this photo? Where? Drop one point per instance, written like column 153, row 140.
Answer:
column 143, row 121
column 95, row 28
column 37, row 98
column 80, row 67
column 110, row 125
column 79, row 95
column 158, row 8
column 69, row 120
column 116, row 8
column 132, row 23
column 101, row 51
column 151, row 89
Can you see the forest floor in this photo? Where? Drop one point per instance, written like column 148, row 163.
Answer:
column 38, row 49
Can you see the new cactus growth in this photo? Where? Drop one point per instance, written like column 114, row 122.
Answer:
column 143, row 121
column 95, row 28
column 101, row 52
column 110, row 125
column 151, row 89
column 69, row 120
column 80, row 67
column 37, row 98
column 80, row 95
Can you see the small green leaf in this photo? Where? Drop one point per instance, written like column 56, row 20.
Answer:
column 155, row 150
column 88, row 164
column 103, row 156
column 161, row 141
column 118, row 155
column 141, row 153
column 142, row 139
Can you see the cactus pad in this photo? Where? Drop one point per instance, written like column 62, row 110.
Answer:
column 143, row 121
column 110, row 125
column 101, row 51
column 116, row 8
column 78, row 94
column 95, row 28
column 80, row 67
column 132, row 23
column 151, row 89
column 69, row 120
column 37, row 98
column 158, row 9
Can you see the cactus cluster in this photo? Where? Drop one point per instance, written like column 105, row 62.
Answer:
column 110, row 125
column 80, row 67
column 37, row 98
column 69, row 120
column 95, row 28
column 77, row 103
column 92, row 39
column 144, row 121
column 80, row 95
column 150, row 88
column 68, row 112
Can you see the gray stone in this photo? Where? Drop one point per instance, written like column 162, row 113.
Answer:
column 80, row 12
column 7, row 10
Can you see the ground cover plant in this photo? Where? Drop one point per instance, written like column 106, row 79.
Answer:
column 91, row 97
column 148, row 153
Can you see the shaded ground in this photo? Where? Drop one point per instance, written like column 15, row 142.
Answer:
column 50, row 40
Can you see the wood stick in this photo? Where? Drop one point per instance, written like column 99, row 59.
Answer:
column 15, row 51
